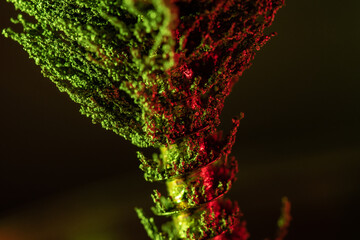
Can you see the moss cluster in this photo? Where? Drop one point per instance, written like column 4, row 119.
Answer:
column 95, row 50
column 152, row 71
column 157, row 72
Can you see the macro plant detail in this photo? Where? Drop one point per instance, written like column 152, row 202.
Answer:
column 157, row 72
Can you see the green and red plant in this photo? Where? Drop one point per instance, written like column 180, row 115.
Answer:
column 157, row 72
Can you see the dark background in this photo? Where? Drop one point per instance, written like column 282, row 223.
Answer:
column 63, row 178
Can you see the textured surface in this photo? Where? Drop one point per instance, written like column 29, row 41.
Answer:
column 157, row 73
column 289, row 133
column 150, row 72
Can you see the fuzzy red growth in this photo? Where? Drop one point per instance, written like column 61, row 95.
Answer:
column 284, row 221
column 237, row 229
column 188, row 73
column 215, row 43
column 238, row 232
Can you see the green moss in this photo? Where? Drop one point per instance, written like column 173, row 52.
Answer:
column 93, row 50
column 157, row 72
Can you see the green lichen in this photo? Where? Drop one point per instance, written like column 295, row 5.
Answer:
column 157, row 72
column 94, row 49
column 149, row 226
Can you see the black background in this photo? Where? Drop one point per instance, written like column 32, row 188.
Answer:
column 63, row 178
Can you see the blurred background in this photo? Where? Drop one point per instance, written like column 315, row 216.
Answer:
column 63, row 178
